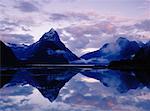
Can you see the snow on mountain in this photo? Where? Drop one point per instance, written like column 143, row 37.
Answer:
column 16, row 45
column 51, row 36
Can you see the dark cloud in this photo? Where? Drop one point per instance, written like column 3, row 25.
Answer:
column 57, row 16
column 25, row 29
column 6, row 29
column 144, row 25
column 79, row 16
column 7, row 22
column 6, row 25
column 27, row 7
column 24, row 21
column 17, row 38
column 2, row 5
column 69, row 16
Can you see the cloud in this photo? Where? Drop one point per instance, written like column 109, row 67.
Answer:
column 93, row 34
column 73, row 16
column 6, row 25
column 93, row 28
column 6, row 22
column 1, row 5
column 17, row 38
column 78, row 43
column 6, row 29
column 27, row 7
column 145, row 105
column 144, row 25
column 88, row 28
column 25, row 29
column 57, row 16
column 96, row 95
column 79, row 16
column 9, row 25
column 89, row 35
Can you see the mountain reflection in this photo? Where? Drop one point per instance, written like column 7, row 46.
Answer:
column 120, row 80
column 50, row 81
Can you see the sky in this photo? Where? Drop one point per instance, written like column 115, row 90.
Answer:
column 83, row 25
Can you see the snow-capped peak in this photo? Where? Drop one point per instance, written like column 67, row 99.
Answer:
column 51, row 35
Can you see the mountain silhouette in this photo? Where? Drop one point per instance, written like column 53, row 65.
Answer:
column 140, row 60
column 7, row 56
column 143, row 55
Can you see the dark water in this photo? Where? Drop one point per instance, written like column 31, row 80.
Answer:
column 49, row 89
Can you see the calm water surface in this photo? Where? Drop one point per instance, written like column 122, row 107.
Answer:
column 48, row 89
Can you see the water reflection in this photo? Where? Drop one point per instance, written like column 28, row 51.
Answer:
column 143, row 77
column 121, row 80
column 93, row 89
column 47, row 81
column 50, row 81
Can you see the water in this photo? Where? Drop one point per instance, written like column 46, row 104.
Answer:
column 84, row 89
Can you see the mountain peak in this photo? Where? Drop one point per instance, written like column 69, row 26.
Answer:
column 52, row 30
column 122, row 40
column 51, row 35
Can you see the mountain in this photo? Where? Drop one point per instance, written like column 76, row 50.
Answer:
column 18, row 49
column 140, row 60
column 48, row 49
column 121, row 49
column 143, row 55
column 7, row 56
column 139, row 64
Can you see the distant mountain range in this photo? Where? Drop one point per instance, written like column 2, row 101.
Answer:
column 121, row 49
column 50, row 50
